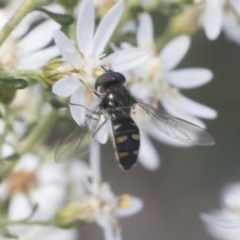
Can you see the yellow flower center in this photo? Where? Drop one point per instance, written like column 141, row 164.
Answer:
column 234, row 209
column 124, row 201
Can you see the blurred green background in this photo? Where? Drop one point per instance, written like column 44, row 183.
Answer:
column 190, row 179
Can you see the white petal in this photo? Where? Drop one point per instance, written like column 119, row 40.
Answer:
column 235, row 5
column 38, row 59
column 174, row 51
column 140, row 90
column 7, row 150
column 194, row 108
column 19, row 207
column 145, row 31
column 106, row 226
column 78, row 110
column 51, row 173
column 148, row 156
column 130, row 26
column 35, row 40
column 49, row 199
column 231, row 196
column 102, row 135
column 231, row 28
column 95, row 160
column 212, row 19
column 67, row 49
column 78, row 182
column 106, row 28
column 220, row 222
column 28, row 162
column 24, row 25
column 222, row 225
column 53, row 233
column 85, row 26
column 189, row 78
column 4, row 191
column 66, row 86
column 57, row 8
column 136, row 205
column 127, row 59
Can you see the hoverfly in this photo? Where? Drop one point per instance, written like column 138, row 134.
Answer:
column 118, row 104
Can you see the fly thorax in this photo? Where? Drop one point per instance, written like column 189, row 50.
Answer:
column 118, row 101
column 118, row 96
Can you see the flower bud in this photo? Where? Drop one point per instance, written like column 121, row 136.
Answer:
column 78, row 212
column 56, row 69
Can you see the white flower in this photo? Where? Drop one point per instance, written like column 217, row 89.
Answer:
column 212, row 18
column 23, row 49
column 221, row 15
column 105, row 205
column 43, row 233
column 224, row 224
column 86, row 63
column 29, row 184
column 156, row 82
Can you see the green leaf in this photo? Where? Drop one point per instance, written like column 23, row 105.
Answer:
column 16, row 83
column 63, row 19
column 5, row 233
column 69, row 4
column 135, row 10
column 171, row 9
column 12, row 157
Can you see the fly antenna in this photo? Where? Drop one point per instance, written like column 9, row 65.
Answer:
column 107, row 70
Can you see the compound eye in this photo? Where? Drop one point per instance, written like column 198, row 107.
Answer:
column 103, row 80
column 119, row 77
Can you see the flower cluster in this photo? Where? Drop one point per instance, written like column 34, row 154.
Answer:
column 225, row 223
column 101, row 66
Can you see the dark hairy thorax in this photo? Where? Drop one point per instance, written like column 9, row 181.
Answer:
column 117, row 101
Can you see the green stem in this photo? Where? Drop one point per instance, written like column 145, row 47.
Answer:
column 7, row 223
column 17, row 73
column 2, row 138
column 38, row 134
column 26, row 7
column 34, row 139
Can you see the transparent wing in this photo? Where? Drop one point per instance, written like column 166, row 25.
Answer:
column 78, row 143
column 176, row 127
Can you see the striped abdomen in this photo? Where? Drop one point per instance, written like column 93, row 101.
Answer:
column 127, row 140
